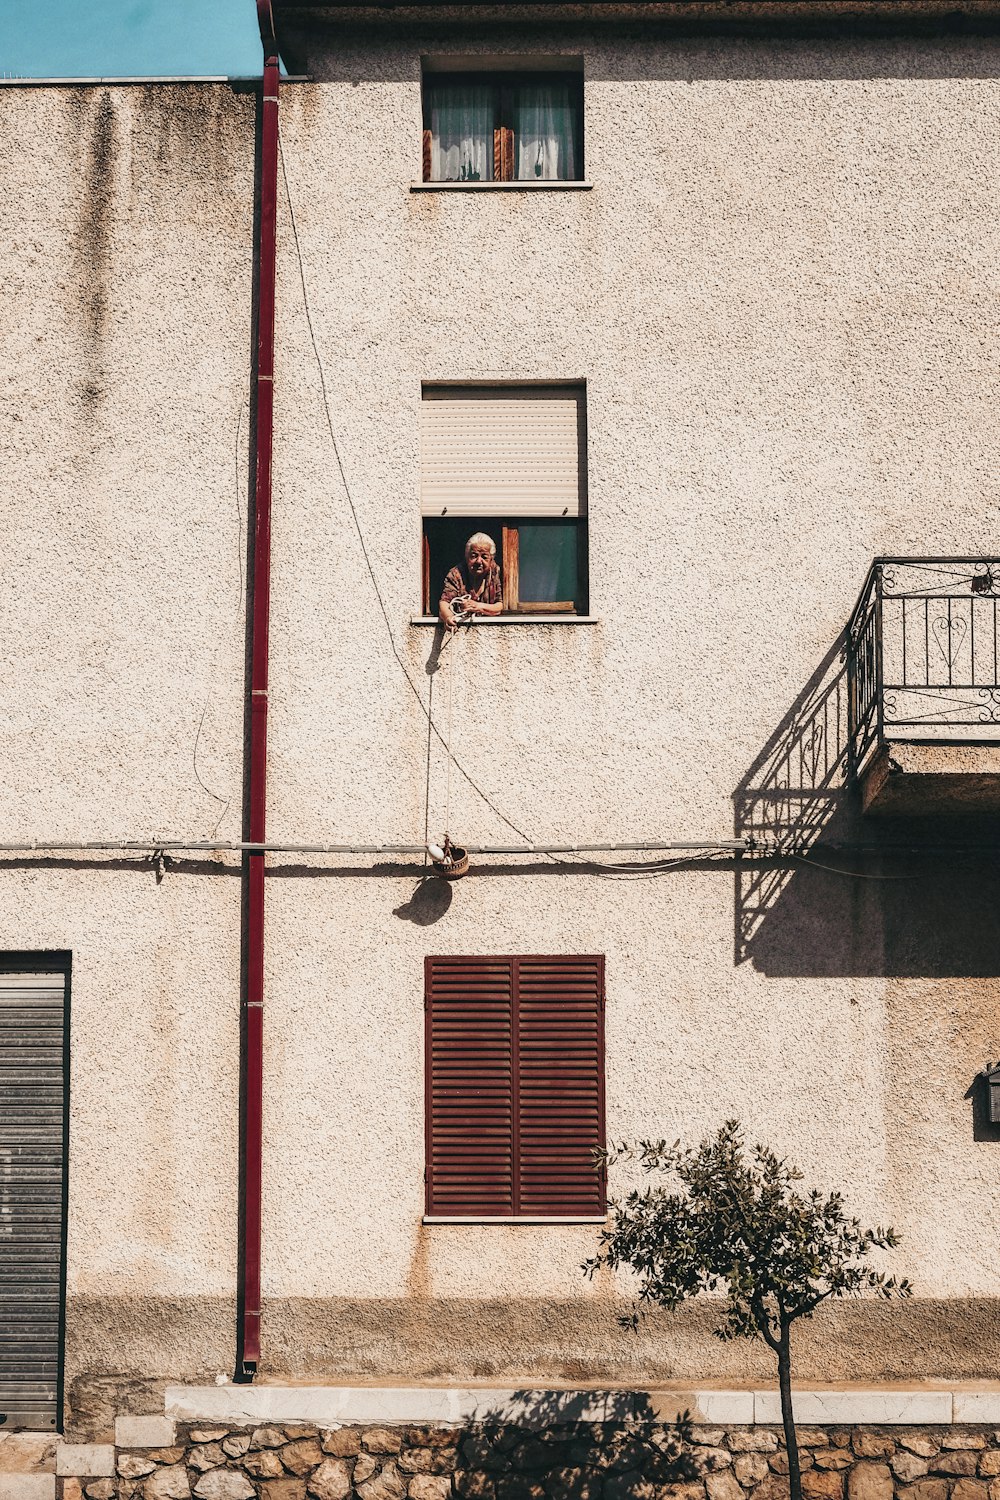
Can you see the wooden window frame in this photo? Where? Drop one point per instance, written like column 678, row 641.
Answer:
column 510, row 573
column 503, row 85
column 542, row 975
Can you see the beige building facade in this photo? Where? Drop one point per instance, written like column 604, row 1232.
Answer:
column 773, row 291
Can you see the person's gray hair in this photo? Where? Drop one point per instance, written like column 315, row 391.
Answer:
column 481, row 540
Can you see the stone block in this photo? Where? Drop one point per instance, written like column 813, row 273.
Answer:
column 920, row 1443
column 473, row 1484
column 713, row 1459
column 382, row 1440
column 433, row 1437
column 145, row 1432
column 365, row 1467
column 134, row 1465
column 868, row 1481
column 223, row 1484
column 27, row 1453
column 331, row 1480
column 750, row 1468
column 236, row 1444
column 283, row 1489
column 778, row 1462
column 519, row 1487
column 924, row 1489
column 908, row 1466
column 873, row 1445
column 754, row 1442
column 708, row 1437
column 831, row 1458
column 201, row 1435
column 569, row 1483
column 301, row 1456
column 430, row 1487
column 27, row 1487
column 264, row 1464
column 341, row 1442
column 101, row 1489
column 267, row 1437
column 723, row 1486
column 388, row 1485
column 989, row 1463
column 442, row 1460
column 956, row 1438
column 208, row 1456
column 976, row 1406
column 166, row 1455
column 88, row 1460
column 72, row 1489
column 958, row 1463
column 172, row 1484
column 822, row 1484
column 970, row 1489
column 774, row 1487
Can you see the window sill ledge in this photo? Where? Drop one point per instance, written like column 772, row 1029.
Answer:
column 530, row 184
column 520, row 1219
column 516, row 620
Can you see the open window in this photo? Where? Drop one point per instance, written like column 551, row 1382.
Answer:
column 502, row 125
column 510, row 462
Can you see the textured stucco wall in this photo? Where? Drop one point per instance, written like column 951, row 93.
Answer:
column 124, row 380
column 781, row 293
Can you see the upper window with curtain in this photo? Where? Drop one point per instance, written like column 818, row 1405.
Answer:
column 503, row 127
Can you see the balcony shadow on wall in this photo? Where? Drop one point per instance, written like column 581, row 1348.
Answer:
column 831, row 893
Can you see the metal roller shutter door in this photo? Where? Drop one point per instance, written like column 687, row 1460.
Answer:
column 32, row 1164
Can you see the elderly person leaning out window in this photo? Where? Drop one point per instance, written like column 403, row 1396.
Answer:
column 473, row 587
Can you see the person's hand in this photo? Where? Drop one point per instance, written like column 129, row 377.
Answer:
column 447, row 617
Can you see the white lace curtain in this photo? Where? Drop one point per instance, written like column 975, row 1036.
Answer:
column 544, row 118
column 461, row 125
column 545, row 144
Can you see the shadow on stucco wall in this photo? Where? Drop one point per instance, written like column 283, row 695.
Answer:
column 840, row 895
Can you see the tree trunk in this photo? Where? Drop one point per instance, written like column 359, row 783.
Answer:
column 787, row 1418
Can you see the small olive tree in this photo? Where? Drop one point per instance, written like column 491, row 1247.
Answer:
column 739, row 1226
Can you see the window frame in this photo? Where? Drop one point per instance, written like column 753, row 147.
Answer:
column 507, row 523
column 519, row 1153
column 504, row 82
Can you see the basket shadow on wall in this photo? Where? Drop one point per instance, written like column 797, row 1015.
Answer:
column 844, row 895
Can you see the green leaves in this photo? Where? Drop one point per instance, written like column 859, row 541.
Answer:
column 738, row 1225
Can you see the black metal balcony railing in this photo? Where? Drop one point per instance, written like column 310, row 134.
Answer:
column 922, row 653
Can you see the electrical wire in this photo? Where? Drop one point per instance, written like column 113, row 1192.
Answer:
column 357, row 523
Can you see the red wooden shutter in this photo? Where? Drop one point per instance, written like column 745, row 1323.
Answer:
column 560, row 1043
column 470, row 1115
column 515, row 1086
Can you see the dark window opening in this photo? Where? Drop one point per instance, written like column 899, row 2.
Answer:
column 503, row 127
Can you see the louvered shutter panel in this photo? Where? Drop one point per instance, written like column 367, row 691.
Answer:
column 560, row 1044
column 515, row 1086
column 502, row 452
column 470, row 1115
column 32, row 1085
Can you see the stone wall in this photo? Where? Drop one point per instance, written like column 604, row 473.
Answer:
column 575, row 1461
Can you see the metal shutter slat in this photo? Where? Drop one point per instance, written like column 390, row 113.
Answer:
column 32, row 1104
column 501, row 455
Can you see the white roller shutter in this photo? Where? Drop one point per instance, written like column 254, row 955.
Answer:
column 32, row 1104
column 502, row 452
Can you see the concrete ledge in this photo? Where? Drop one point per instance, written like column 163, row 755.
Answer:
column 27, row 1487
column 144, row 1432
column 332, row 1406
column 859, row 1408
column 85, row 1460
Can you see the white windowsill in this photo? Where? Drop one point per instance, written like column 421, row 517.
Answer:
column 508, row 1219
column 531, row 184
column 515, row 620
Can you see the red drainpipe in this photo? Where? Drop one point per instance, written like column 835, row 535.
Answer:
column 253, row 997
